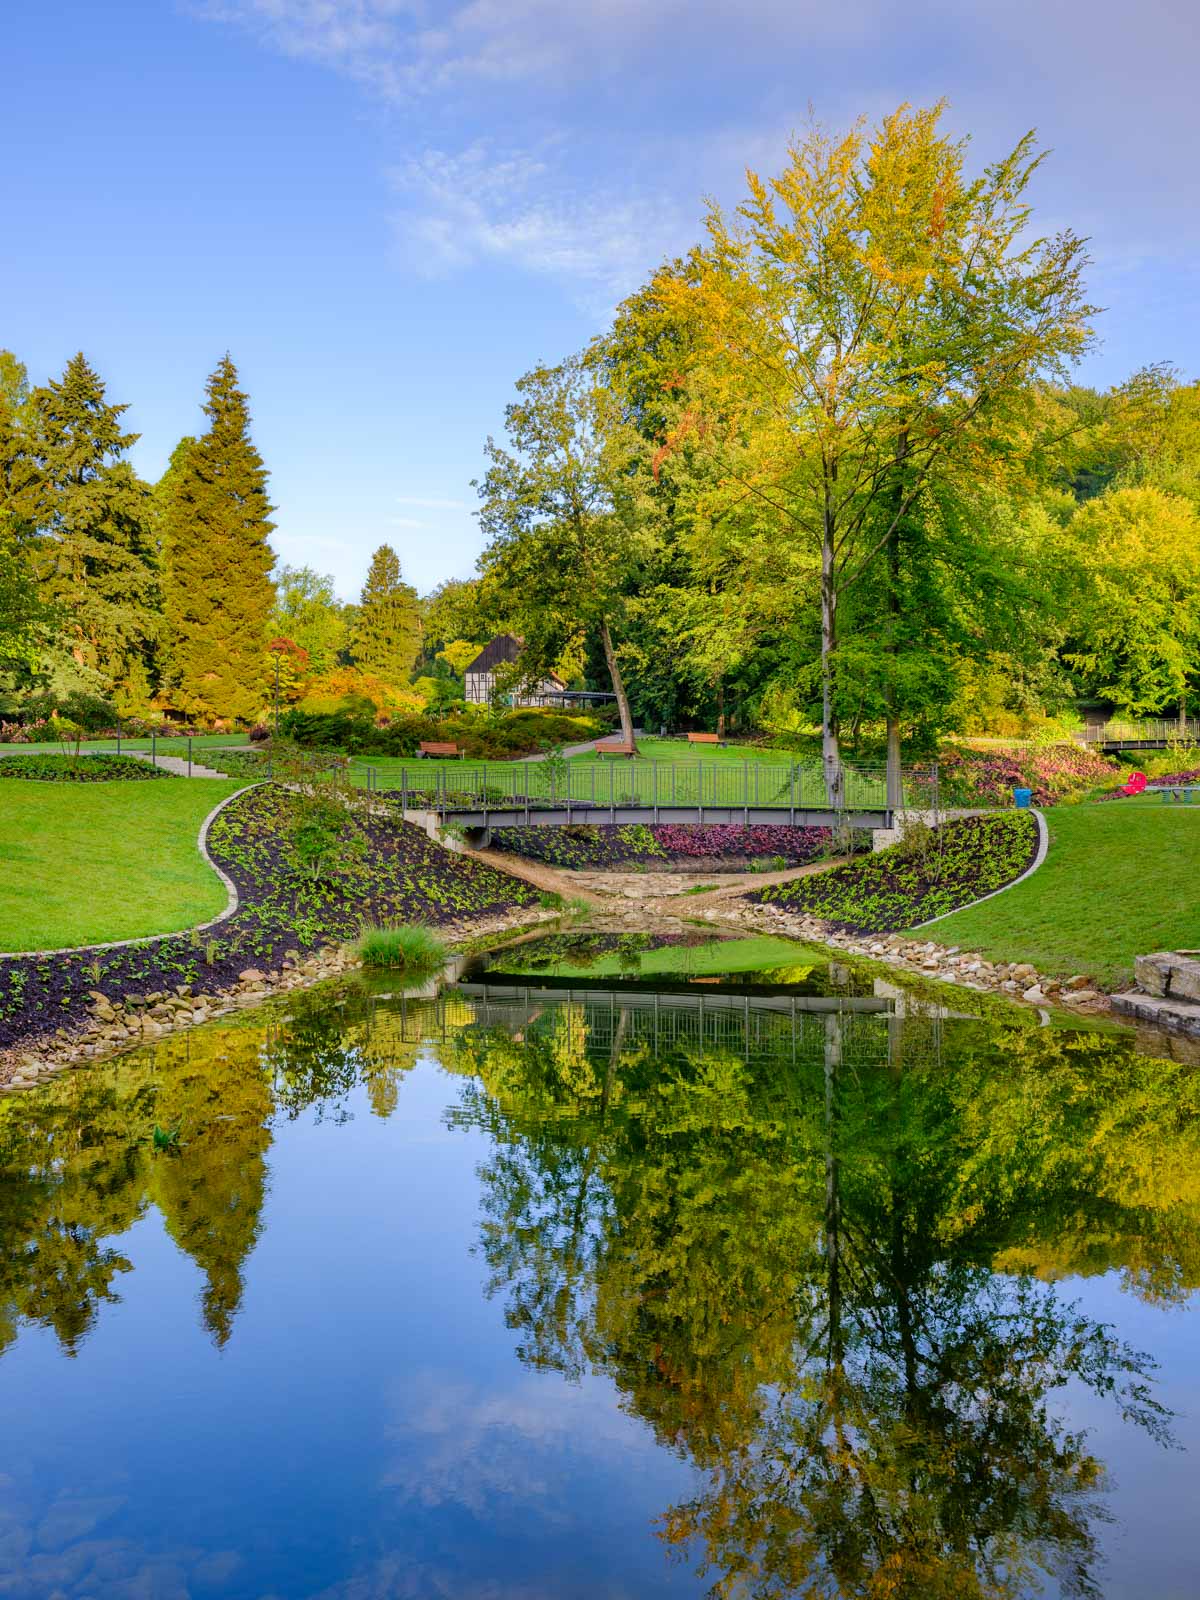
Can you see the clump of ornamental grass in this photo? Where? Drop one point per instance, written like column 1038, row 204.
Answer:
column 407, row 947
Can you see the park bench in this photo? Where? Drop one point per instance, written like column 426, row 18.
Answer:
column 615, row 747
column 432, row 748
column 705, row 738
column 1177, row 791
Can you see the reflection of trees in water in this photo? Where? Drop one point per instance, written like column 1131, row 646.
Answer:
column 80, row 1168
column 830, row 1289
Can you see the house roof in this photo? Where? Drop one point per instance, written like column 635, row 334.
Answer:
column 505, row 647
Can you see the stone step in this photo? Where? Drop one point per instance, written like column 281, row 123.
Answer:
column 1169, row 974
column 1176, row 1016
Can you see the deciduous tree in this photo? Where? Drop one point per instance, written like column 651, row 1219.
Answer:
column 564, row 530
column 862, row 316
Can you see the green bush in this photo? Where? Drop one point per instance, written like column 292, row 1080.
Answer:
column 99, row 767
column 406, row 948
column 515, row 733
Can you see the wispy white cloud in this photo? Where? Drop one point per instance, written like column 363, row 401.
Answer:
column 514, row 207
column 610, row 110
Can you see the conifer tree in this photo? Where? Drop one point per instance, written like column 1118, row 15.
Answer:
column 217, row 590
column 387, row 633
column 93, row 550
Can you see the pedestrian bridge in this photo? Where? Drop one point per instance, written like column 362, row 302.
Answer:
column 1113, row 736
column 491, row 795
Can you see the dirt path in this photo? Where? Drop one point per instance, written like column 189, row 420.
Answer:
column 682, row 893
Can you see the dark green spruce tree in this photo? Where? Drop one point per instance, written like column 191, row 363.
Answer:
column 21, row 609
column 93, row 550
column 217, row 592
column 387, row 634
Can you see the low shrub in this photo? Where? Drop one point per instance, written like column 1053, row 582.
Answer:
column 516, row 733
column 924, row 876
column 259, row 733
column 1055, row 773
column 406, row 948
column 99, row 767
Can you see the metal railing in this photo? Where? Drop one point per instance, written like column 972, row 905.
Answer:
column 1165, row 731
column 449, row 786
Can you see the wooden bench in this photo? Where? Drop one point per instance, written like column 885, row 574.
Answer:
column 615, row 747
column 705, row 738
column 432, row 748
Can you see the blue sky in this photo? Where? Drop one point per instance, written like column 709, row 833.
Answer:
column 388, row 209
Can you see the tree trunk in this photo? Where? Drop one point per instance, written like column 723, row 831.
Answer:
column 831, row 755
column 618, row 683
column 720, row 711
column 895, row 781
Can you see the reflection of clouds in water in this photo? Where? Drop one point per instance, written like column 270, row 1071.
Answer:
column 516, row 1460
column 455, row 1444
column 57, row 1547
column 396, row 1578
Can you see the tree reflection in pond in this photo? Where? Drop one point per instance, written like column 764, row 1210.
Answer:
column 816, row 1246
column 831, row 1287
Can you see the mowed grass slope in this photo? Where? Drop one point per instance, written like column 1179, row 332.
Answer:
column 82, row 864
column 1120, row 879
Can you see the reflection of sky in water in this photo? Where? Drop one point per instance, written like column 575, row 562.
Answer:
column 366, row 1430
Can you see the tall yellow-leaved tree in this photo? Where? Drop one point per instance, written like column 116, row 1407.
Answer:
column 862, row 322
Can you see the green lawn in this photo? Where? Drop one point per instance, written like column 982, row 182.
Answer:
column 82, row 864
column 681, row 750
column 1120, row 879
column 164, row 747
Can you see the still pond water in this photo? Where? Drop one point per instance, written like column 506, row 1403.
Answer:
column 610, row 1271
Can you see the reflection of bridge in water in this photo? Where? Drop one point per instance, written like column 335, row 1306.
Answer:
column 881, row 1028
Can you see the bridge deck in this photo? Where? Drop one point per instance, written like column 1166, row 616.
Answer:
column 573, row 814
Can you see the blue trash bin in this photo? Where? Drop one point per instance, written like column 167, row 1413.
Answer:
column 1023, row 798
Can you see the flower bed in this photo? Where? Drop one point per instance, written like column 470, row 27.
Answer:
column 608, row 846
column 398, row 876
column 954, row 865
column 1055, row 773
column 101, row 767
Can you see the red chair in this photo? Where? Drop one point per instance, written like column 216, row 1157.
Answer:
column 1135, row 785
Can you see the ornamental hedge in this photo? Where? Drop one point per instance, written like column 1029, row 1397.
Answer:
column 99, row 767
column 935, row 871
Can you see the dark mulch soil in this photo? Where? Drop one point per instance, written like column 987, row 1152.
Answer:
column 649, row 844
column 100, row 767
column 400, row 876
column 959, row 862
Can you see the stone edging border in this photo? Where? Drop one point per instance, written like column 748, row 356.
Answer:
column 231, row 900
column 1038, row 859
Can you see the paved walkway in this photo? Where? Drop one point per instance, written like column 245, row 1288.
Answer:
column 176, row 764
column 584, row 749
